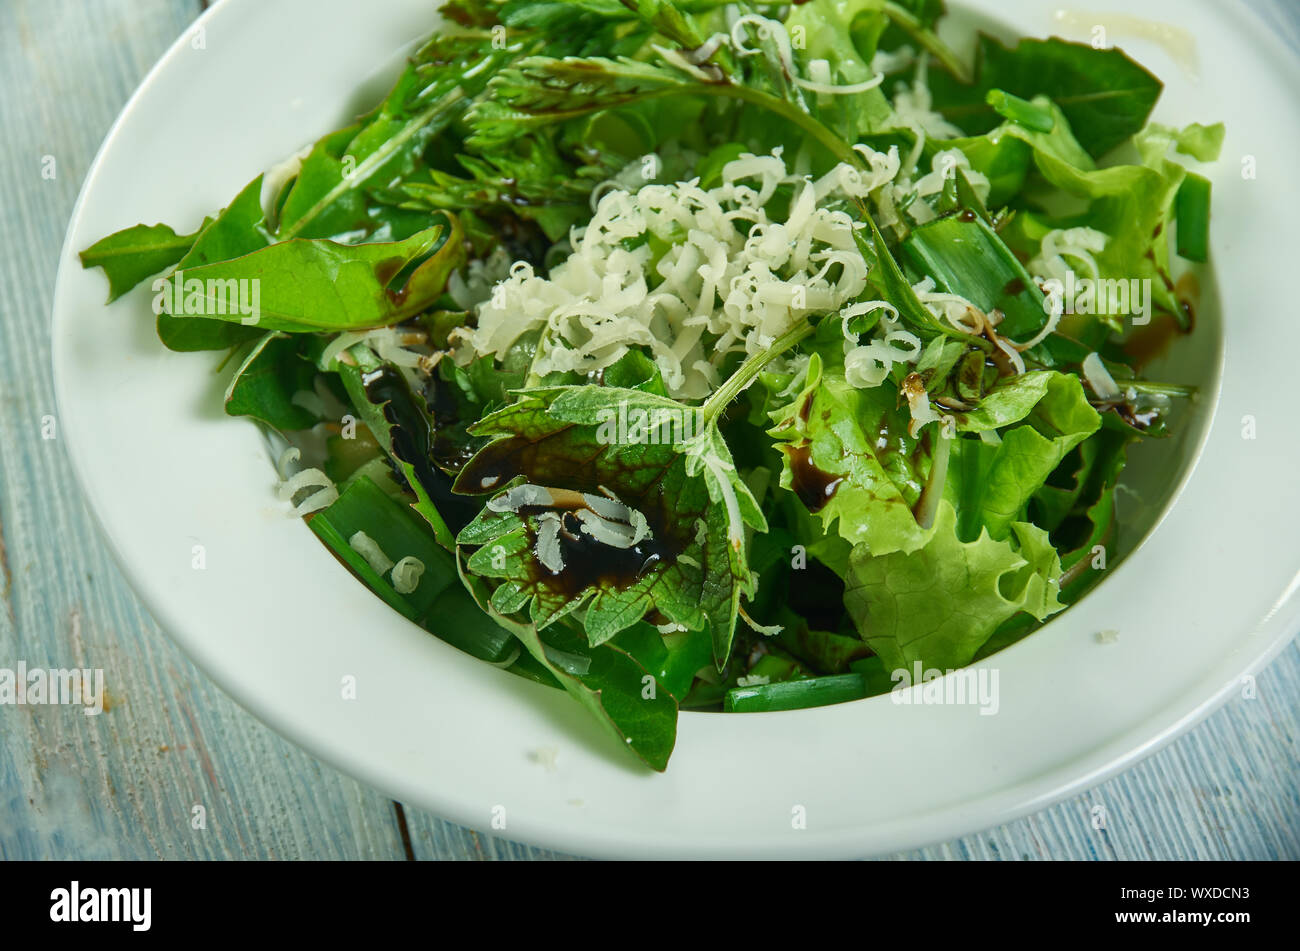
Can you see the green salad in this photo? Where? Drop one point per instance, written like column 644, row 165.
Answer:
column 716, row 356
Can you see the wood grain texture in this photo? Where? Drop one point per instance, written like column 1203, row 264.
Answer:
column 123, row 785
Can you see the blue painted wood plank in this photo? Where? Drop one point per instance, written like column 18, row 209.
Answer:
column 123, row 784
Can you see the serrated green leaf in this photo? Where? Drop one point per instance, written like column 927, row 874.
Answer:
column 613, row 687
column 694, row 568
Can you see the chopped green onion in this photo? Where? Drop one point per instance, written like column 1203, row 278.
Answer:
column 1029, row 115
column 966, row 257
column 879, row 680
column 439, row 603
column 1192, row 211
column 456, row 619
column 796, row 694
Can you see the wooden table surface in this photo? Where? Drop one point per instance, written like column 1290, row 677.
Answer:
column 122, row 785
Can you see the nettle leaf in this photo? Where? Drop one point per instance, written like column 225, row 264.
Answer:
column 940, row 603
column 315, row 285
column 646, row 451
column 606, row 680
column 847, row 455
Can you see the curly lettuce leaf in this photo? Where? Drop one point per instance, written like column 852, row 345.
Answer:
column 938, row 604
column 828, row 34
column 991, row 484
column 1132, row 204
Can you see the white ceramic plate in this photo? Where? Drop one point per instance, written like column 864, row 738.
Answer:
column 1209, row 596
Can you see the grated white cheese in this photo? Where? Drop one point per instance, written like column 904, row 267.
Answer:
column 1080, row 244
column 548, row 542
column 291, row 486
column 1099, row 378
column 944, row 166
column 290, row 455
column 1053, row 272
column 732, row 279
column 868, row 365
column 512, row 500
column 369, row 549
column 310, row 401
column 913, row 108
column 406, row 574
column 474, row 285
column 957, row 310
column 893, row 61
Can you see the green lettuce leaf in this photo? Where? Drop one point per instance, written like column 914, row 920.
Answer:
column 608, row 682
column 829, row 436
column 827, row 30
column 1201, row 142
column 939, row 604
column 239, row 229
column 991, row 485
column 1132, row 204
